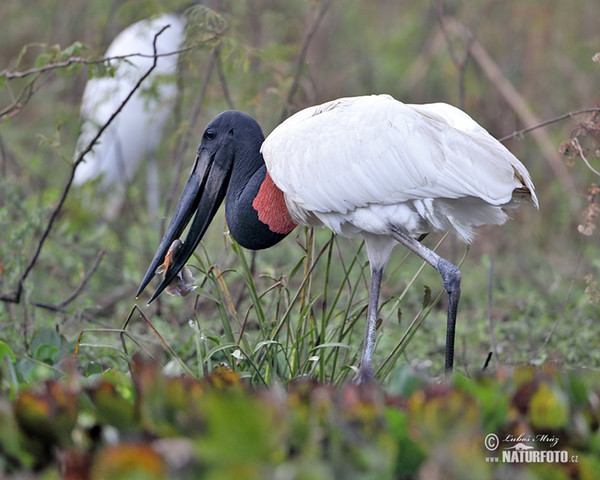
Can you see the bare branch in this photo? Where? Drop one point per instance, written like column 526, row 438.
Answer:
column 27, row 91
column 61, row 306
column 15, row 296
column 222, row 78
column 8, row 75
column 577, row 145
column 459, row 62
column 560, row 118
column 20, row 101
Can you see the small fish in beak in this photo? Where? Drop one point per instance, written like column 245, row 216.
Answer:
column 183, row 283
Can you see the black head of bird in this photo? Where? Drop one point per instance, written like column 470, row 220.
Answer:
column 228, row 165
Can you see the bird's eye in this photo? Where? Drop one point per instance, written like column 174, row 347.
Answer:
column 210, row 134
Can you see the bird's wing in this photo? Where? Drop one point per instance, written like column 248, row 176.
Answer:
column 359, row 151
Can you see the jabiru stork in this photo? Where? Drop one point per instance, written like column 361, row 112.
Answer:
column 366, row 166
column 137, row 131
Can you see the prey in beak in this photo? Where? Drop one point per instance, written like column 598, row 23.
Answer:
column 183, row 283
column 203, row 193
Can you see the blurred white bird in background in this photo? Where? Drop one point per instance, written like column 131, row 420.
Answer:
column 137, row 131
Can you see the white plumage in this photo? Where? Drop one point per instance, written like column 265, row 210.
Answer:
column 137, row 130
column 376, row 162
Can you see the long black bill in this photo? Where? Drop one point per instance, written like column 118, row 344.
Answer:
column 203, row 192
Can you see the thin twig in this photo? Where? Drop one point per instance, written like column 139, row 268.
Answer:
column 20, row 101
column 577, row 145
column 302, row 59
column 85, row 280
column 15, row 297
column 55, row 308
column 222, row 79
column 168, row 347
column 28, row 91
column 459, row 63
column 8, row 75
column 61, row 306
column 560, row 118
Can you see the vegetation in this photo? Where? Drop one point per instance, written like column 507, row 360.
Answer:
column 276, row 318
column 151, row 426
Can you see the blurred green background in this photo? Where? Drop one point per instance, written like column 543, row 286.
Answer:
column 533, row 282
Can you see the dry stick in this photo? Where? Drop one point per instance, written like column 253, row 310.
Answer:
column 28, row 90
column 222, row 78
column 15, row 296
column 8, row 75
column 577, row 145
column 168, row 347
column 515, row 100
column 61, row 306
column 302, row 58
column 560, row 118
column 121, row 332
column 85, row 280
column 459, row 63
column 20, row 101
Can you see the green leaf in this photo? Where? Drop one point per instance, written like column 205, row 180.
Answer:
column 47, row 353
column 47, row 346
column 6, row 351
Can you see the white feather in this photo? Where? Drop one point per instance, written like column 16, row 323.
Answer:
column 361, row 164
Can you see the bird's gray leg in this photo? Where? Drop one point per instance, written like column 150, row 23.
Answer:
column 365, row 371
column 451, row 278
